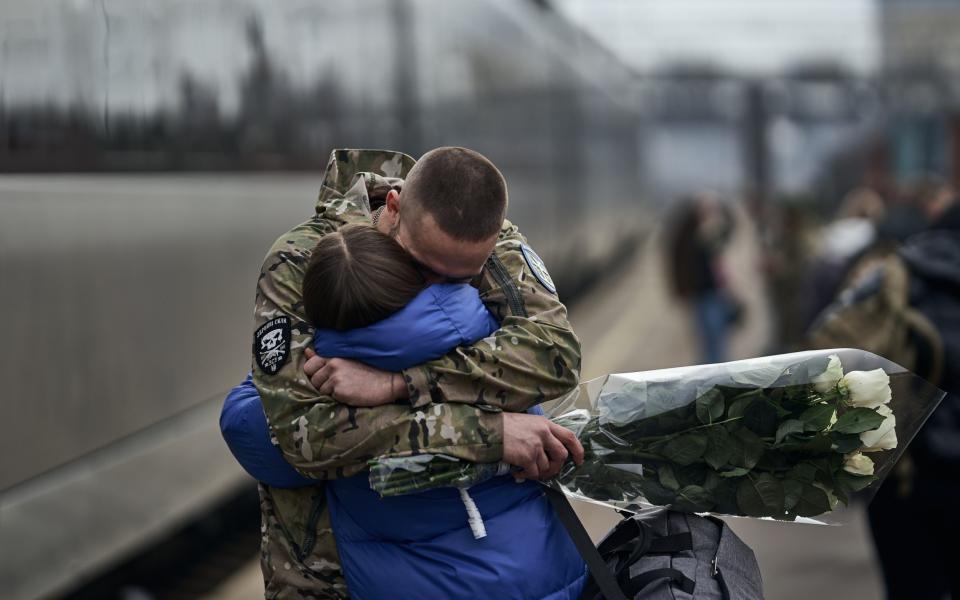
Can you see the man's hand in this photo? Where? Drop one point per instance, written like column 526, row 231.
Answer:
column 537, row 445
column 352, row 382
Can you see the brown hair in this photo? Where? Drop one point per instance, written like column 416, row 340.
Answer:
column 463, row 191
column 357, row 276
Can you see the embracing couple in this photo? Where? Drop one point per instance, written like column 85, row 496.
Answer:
column 407, row 316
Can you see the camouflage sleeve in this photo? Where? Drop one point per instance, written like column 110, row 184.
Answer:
column 323, row 438
column 533, row 357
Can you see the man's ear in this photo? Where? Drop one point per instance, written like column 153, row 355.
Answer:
column 391, row 212
column 393, row 203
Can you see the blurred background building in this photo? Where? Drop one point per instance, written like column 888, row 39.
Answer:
column 151, row 150
column 91, row 85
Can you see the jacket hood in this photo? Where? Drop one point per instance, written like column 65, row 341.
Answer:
column 934, row 255
column 345, row 165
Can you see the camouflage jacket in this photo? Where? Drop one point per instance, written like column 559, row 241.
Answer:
column 455, row 402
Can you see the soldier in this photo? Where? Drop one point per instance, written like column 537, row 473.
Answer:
column 329, row 416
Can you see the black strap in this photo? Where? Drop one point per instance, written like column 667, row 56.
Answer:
column 671, row 544
column 644, row 579
column 627, row 531
column 601, row 574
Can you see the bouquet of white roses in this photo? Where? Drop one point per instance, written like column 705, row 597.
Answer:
column 783, row 437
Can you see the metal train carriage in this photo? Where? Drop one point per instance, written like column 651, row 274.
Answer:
column 127, row 296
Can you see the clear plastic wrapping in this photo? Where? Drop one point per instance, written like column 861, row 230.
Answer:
column 788, row 437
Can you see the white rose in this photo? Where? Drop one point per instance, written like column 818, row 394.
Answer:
column 883, row 437
column 858, row 464
column 826, row 381
column 866, row 389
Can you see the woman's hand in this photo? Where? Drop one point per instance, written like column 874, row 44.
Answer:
column 353, row 383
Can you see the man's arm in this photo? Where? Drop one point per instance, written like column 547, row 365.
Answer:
column 533, row 357
column 321, row 437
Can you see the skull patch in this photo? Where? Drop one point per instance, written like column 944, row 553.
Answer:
column 271, row 345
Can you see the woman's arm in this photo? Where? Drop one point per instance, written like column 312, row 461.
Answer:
column 440, row 318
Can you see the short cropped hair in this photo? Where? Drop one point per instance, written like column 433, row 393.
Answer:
column 357, row 276
column 463, row 191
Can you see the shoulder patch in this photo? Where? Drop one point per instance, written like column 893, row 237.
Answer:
column 271, row 345
column 538, row 268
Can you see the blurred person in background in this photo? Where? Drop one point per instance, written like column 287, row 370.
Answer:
column 906, row 214
column 907, row 308
column 787, row 234
column 842, row 243
column 696, row 240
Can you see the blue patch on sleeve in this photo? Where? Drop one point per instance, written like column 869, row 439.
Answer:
column 538, row 267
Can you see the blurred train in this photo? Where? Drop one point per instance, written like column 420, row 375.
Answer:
column 127, row 296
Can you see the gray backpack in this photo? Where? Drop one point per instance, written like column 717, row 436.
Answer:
column 664, row 555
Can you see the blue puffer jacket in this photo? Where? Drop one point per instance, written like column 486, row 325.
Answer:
column 420, row 545
column 441, row 317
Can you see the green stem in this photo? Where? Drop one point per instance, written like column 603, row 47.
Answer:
column 665, row 437
column 413, row 484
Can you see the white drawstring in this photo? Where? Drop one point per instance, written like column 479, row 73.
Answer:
column 473, row 515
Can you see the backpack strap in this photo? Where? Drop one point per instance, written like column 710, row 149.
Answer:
column 898, row 295
column 638, row 534
column 598, row 568
column 627, row 531
column 921, row 326
column 642, row 580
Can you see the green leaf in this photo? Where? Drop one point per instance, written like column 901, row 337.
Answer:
column 712, row 481
column 741, row 402
column 817, row 445
column 844, row 443
column 735, row 472
column 858, row 420
column 655, row 493
column 791, row 493
column 710, row 406
column 761, row 496
column 775, row 460
column 719, row 447
column 855, row 483
column 841, row 493
column 694, row 474
column 826, row 467
column 761, row 418
column 817, row 417
column 693, row 498
column 787, row 427
column 812, row 501
column 747, row 450
column 804, row 472
column 685, row 449
column 667, row 478
column 725, row 497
